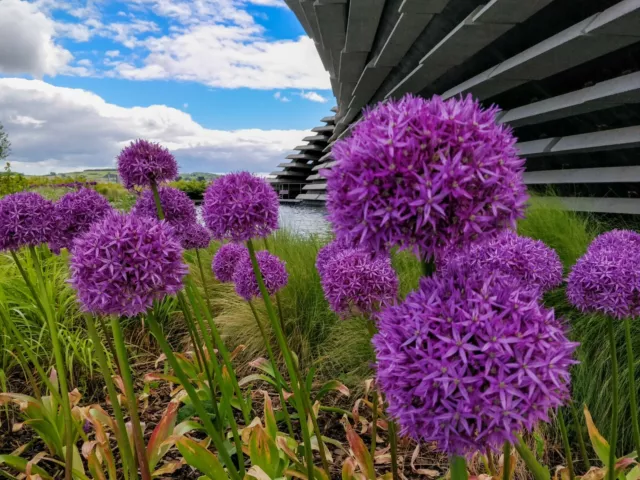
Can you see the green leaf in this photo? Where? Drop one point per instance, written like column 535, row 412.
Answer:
column 332, row 385
column 269, row 417
column 598, row 442
column 254, row 378
column 264, row 452
column 202, row 459
column 20, row 464
column 360, row 451
column 156, row 448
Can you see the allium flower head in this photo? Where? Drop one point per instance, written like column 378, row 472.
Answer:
column 471, row 358
column 355, row 282
column 528, row 260
column 192, row 235
column 176, row 205
column 273, row 271
column 607, row 278
column 124, row 263
column 239, row 207
column 75, row 212
column 226, row 259
column 328, row 253
column 143, row 163
column 26, row 219
column 424, row 174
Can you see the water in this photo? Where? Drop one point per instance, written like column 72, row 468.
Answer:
column 305, row 220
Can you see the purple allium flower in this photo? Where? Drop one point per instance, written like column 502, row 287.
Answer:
column 144, row 163
column 124, row 263
column 176, row 205
column 239, row 207
column 226, row 259
column 75, row 213
column 607, row 277
column 471, row 358
column 273, row 271
column 26, row 219
column 192, row 235
column 87, row 427
column 355, row 282
column 425, row 174
column 528, row 260
column 329, row 252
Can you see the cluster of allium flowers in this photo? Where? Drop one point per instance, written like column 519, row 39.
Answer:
column 239, row 207
column 192, row 235
column 471, row 358
column 425, row 174
column 226, row 259
column 124, row 263
column 143, row 163
column 328, row 253
column 355, row 282
column 607, row 277
column 273, row 272
column 26, row 219
column 528, row 260
column 75, row 212
column 176, row 205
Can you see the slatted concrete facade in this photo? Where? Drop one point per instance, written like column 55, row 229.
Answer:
column 565, row 72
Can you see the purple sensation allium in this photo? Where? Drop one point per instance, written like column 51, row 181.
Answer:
column 192, row 235
column 470, row 359
column 143, row 163
column 329, row 252
column 26, row 219
column 124, row 263
column 607, row 278
column 355, row 282
column 226, row 259
column 176, row 205
column 239, row 207
column 273, row 271
column 75, row 212
column 424, row 174
column 528, row 260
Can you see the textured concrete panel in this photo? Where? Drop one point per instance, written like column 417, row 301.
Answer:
column 509, row 11
column 362, row 25
column 418, row 79
column 300, row 156
column 483, row 87
column 403, row 35
column 368, row 84
column 310, row 14
column 328, row 129
column 309, row 148
column 332, row 22
column 289, row 173
column 535, row 147
column 315, row 186
column 298, row 11
column 346, row 89
column 583, row 175
column 316, row 138
column 306, row 196
column 301, row 166
column 423, row 6
column 330, row 119
column 621, row 19
column 606, row 140
column 351, row 66
column 629, row 206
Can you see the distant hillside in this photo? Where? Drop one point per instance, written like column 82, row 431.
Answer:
column 111, row 175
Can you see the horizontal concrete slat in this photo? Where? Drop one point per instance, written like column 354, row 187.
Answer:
column 598, row 205
column 584, row 175
column 315, row 186
column 407, row 29
column 362, row 24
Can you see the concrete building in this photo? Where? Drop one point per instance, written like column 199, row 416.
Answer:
column 565, row 72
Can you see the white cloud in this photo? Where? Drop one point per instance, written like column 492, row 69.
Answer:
column 112, row 53
column 64, row 129
column 26, row 41
column 314, row 97
column 278, row 96
column 185, row 105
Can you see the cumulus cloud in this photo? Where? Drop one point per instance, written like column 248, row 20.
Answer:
column 65, row 129
column 27, row 43
column 281, row 98
column 314, row 97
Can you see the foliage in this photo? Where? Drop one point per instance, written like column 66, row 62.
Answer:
column 193, row 187
column 10, row 182
column 5, row 144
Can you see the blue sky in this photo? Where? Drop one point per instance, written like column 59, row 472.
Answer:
column 225, row 84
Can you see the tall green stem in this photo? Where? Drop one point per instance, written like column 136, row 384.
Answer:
column 393, row 442
column 565, row 442
column 27, row 280
column 156, row 198
column 132, row 401
column 282, row 343
column 613, row 434
column 280, row 383
column 122, row 437
column 21, row 360
column 539, row 471
column 60, row 365
column 583, row 447
column 204, row 280
column 506, row 461
column 374, row 422
column 631, row 368
column 215, row 435
column 459, row 468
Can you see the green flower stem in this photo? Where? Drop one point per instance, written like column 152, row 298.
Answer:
column 393, row 441
column 613, row 434
column 227, row 394
column 539, row 471
column 339, row 411
column 288, row 358
column 21, row 360
column 107, row 338
column 631, row 368
column 27, row 280
column 222, row 349
column 459, row 468
column 374, row 422
column 156, row 198
column 123, row 439
column 132, row 401
column 204, row 280
column 60, row 365
column 278, row 302
column 490, row 464
column 191, row 331
column 280, row 383
column 583, row 448
column 565, row 442
column 506, row 461
column 215, row 434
